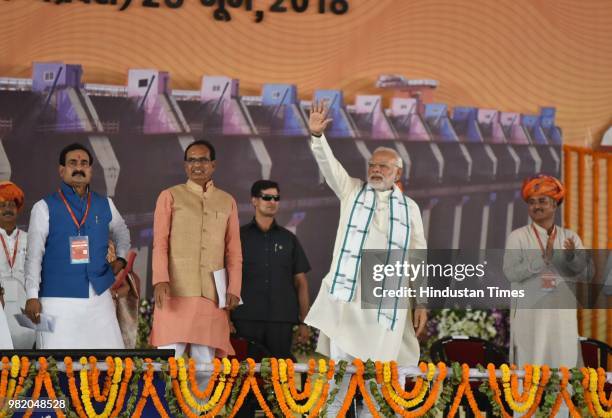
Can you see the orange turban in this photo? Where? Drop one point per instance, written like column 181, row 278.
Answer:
column 10, row 191
column 543, row 185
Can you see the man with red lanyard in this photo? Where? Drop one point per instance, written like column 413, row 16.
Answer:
column 12, row 260
column 535, row 260
column 67, row 275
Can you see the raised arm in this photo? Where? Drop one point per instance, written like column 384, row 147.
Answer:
column 335, row 175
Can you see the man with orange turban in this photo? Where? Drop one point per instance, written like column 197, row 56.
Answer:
column 12, row 259
column 533, row 261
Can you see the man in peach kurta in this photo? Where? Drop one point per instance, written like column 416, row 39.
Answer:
column 195, row 233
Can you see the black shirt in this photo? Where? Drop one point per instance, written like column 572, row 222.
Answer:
column 270, row 260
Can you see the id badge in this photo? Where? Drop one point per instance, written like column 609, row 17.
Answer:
column 79, row 249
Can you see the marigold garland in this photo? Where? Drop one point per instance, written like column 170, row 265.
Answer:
column 4, row 380
column 257, row 392
column 49, row 388
column 592, row 394
column 18, row 377
column 523, row 397
column 211, row 383
column 399, row 389
column 538, row 388
column 530, row 381
column 496, row 391
column 94, row 376
column 149, row 391
column 545, row 376
column 307, row 386
column 601, row 381
column 281, row 385
column 38, row 383
column 216, row 396
column 72, row 389
column 405, row 402
column 127, row 376
column 465, row 389
column 564, row 395
column 11, row 392
column 431, row 399
column 112, row 396
column 350, row 393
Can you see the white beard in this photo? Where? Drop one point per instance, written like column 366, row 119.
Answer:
column 381, row 185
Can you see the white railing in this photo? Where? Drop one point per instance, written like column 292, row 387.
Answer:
column 14, row 83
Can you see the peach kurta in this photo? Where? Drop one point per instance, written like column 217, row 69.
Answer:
column 193, row 319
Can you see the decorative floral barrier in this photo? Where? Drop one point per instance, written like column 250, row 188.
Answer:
column 127, row 387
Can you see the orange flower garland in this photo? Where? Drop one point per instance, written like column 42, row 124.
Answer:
column 129, row 367
column 16, row 375
column 460, row 390
column 470, row 395
column 330, row 375
column 250, row 383
column 25, row 366
column 277, row 389
column 538, row 396
column 51, row 391
column 94, row 376
column 526, row 383
column 72, row 388
column 291, row 377
column 601, row 380
column 227, row 388
column 540, row 392
column 257, row 392
column 429, row 403
column 591, row 383
column 496, row 391
column 564, row 395
column 399, row 389
column 350, row 393
column 211, row 383
column 4, row 380
column 361, row 384
column 149, row 390
column 38, row 384
column 280, row 383
column 465, row 389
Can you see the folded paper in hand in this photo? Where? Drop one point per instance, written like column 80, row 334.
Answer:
column 46, row 324
column 221, row 286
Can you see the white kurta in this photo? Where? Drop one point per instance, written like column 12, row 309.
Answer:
column 79, row 323
column 357, row 331
column 13, row 281
column 541, row 336
column 6, row 343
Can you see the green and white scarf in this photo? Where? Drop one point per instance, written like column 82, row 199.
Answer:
column 344, row 283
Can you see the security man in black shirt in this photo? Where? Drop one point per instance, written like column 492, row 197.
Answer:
column 274, row 283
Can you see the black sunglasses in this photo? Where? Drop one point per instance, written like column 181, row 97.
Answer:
column 269, row 197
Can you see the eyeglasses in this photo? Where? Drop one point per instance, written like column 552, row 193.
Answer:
column 203, row 160
column 269, row 197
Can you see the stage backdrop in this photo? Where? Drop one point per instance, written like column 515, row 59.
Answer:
column 512, row 55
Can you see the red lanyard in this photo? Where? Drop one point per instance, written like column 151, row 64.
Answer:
column 551, row 238
column 74, row 219
column 11, row 261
